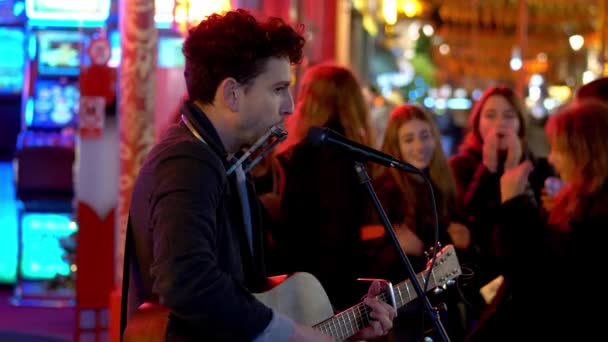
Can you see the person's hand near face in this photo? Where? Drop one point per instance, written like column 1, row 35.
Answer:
column 498, row 127
column 514, row 150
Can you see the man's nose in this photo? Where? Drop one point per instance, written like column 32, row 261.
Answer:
column 288, row 105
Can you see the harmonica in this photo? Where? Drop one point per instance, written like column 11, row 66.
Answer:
column 260, row 149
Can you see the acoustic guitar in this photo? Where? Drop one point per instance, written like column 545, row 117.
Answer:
column 302, row 298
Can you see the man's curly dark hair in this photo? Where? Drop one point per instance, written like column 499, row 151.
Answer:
column 235, row 45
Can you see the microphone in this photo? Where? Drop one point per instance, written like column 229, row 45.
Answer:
column 318, row 136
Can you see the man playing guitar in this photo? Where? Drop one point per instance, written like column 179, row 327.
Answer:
column 195, row 227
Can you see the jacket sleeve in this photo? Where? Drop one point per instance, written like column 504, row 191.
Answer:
column 187, row 276
column 479, row 196
column 483, row 186
column 475, row 184
column 522, row 232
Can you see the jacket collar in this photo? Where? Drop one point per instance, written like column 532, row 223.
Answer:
column 203, row 126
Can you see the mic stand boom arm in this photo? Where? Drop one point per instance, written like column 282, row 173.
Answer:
column 365, row 180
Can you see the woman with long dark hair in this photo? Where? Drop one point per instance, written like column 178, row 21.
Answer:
column 496, row 141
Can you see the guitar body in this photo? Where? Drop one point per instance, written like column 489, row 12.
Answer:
column 300, row 297
column 148, row 324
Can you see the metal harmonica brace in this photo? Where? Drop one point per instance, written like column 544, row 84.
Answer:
column 278, row 133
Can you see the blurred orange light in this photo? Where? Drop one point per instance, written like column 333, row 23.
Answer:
column 535, row 66
column 412, row 8
column 188, row 13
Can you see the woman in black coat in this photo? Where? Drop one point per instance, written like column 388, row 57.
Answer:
column 497, row 141
column 323, row 204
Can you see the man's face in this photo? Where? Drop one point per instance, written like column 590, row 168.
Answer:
column 266, row 101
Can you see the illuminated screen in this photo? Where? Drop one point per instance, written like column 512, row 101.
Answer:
column 42, row 253
column 170, row 52
column 12, row 11
column 8, row 222
column 56, row 104
column 12, row 57
column 59, row 52
column 80, row 10
column 114, row 38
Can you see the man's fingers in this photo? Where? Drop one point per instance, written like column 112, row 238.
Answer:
column 382, row 312
column 378, row 330
column 375, row 289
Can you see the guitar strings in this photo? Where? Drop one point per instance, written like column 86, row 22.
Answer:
column 362, row 319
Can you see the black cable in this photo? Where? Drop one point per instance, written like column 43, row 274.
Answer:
column 435, row 244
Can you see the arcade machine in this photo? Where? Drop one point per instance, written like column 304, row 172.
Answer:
column 12, row 56
column 57, row 33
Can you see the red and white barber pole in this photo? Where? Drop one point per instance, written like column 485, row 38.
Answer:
column 92, row 116
column 97, row 196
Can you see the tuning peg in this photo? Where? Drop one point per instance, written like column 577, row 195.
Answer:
column 450, row 282
column 431, row 251
column 438, row 290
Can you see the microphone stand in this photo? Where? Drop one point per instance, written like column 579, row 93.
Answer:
column 364, row 179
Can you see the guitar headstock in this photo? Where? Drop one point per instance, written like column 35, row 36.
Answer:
column 446, row 267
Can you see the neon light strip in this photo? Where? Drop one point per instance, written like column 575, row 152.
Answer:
column 64, row 23
column 100, row 15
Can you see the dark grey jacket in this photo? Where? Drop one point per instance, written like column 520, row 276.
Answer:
column 190, row 239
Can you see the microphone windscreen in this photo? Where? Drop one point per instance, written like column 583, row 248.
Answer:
column 316, row 135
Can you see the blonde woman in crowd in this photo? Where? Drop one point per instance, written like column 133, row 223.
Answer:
column 412, row 136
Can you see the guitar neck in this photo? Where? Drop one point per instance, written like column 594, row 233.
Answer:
column 350, row 321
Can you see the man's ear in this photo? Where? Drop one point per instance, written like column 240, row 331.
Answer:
column 229, row 93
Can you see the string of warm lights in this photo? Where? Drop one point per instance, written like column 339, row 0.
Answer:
column 188, row 13
column 473, row 34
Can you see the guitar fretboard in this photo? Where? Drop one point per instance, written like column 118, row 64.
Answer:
column 350, row 321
